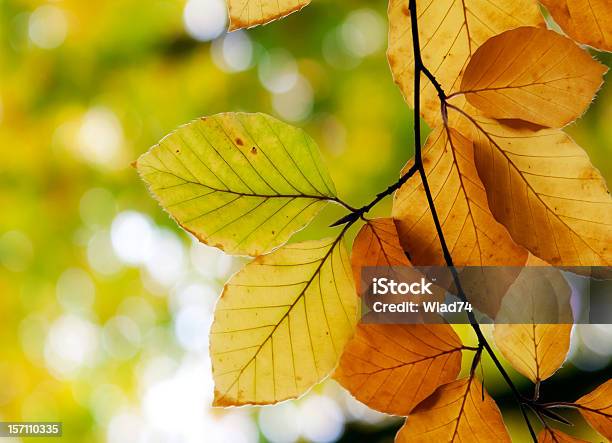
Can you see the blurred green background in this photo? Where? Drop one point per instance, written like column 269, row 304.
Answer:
column 105, row 304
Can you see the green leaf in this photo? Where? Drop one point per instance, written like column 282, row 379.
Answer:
column 282, row 322
column 241, row 182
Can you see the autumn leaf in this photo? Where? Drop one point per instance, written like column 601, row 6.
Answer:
column 392, row 368
column 376, row 244
column 450, row 32
column 241, row 182
column 459, row 411
column 282, row 322
column 534, row 324
column 248, row 13
column 586, row 21
column 596, row 408
column 473, row 235
column 549, row 435
column 532, row 74
column 543, row 188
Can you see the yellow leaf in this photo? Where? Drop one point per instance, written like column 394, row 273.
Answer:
column 540, row 300
column 376, row 244
column 549, row 435
column 542, row 186
column 596, row 408
column 586, row 21
column 241, row 182
column 473, row 235
column 532, row 74
column 459, row 411
column 392, row 368
column 248, row 13
column 450, row 32
column 282, row 322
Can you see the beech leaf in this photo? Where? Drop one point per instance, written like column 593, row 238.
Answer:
column 392, row 368
column 586, row 21
column 241, row 182
column 450, row 32
column 542, row 186
column 248, row 13
column 376, row 244
column 474, row 237
column 536, row 349
column 596, row 408
column 281, row 323
column 532, row 74
column 459, row 411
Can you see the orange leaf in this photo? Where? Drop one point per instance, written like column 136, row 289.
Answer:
column 596, row 408
column 542, row 186
column 457, row 412
column 391, row 368
column 249, row 13
column 450, row 32
column 549, row 435
column 538, row 348
column 473, row 235
column 376, row 244
column 532, row 74
column 586, row 21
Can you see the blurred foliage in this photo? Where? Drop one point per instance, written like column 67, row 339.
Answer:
column 85, row 87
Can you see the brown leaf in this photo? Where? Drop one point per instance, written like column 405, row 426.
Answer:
column 586, row 21
column 450, row 32
column 549, row 435
column 532, row 74
column 376, row 244
column 474, row 237
column 542, row 186
column 391, row 368
column 459, row 411
column 596, row 408
column 249, row 13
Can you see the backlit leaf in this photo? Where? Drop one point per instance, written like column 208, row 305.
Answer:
column 532, row 74
column 459, row 411
column 550, row 435
column 586, row 21
column 542, row 186
column 282, row 322
column 241, row 182
column 248, row 13
column 392, row 368
column 538, row 348
column 596, row 408
column 450, row 32
column 473, row 235
column 376, row 244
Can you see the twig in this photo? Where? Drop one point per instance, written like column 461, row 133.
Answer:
column 419, row 68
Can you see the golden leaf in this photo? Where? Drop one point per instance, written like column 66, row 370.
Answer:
column 586, row 21
column 542, row 186
column 248, row 13
column 450, row 32
column 473, row 236
column 596, row 408
column 549, row 435
column 282, row 322
column 392, row 368
column 539, row 347
column 376, row 244
column 459, row 411
column 532, row 74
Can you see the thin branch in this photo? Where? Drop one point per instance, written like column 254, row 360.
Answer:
column 359, row 213
column 419, row 68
